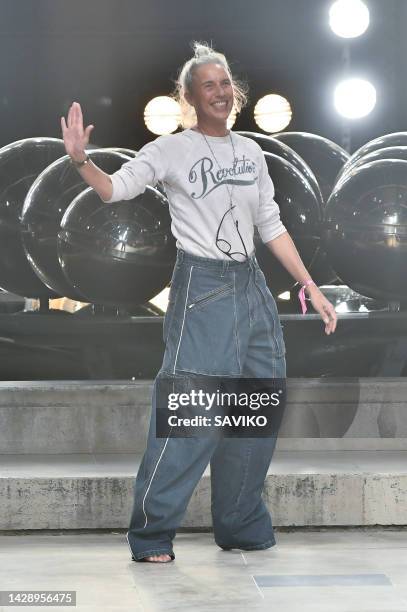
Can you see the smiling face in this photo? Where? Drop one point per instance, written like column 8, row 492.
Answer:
column 212, row 94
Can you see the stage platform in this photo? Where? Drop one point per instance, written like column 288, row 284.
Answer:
column 70, row 452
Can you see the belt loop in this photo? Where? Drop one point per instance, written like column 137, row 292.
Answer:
column 225, row 264
column 181, row 255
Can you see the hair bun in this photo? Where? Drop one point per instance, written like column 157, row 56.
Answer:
column 202, row 50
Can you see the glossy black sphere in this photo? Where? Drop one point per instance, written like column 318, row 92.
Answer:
column 118, row 254
column 319, row 268
column 300, row 212
column 272, row 145
column 20, row 164
column 46, row 202
column 128, row 152
column 395, row 139
column 378, row 154
column 365, row 229
column 324, row 157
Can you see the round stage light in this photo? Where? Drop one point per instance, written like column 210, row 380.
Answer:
column 162, row 115
column 354, row 98
column 349, row 18
column 272, row 113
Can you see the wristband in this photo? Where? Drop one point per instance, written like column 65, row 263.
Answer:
column 81, row 163
column 301, row 294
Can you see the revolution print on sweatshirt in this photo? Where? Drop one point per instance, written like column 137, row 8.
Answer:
column 198, row 180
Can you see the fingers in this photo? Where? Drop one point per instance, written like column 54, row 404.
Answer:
column 78, row 114
column 75, row 118
column 75, row 113
column 70, row 116
column 88, row 130
column 327, row 312
column 330, row 318
column 78, row 111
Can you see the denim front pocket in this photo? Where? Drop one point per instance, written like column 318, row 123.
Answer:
column 208, row 341
column 203, row 299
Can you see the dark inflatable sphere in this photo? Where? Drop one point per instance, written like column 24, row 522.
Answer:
column 324, row 157
column 394, row 139
column 46, row 202
column 379, row 154
column 272, row 145
column 319, row 268
column 300, row 211
column 365, row 230
column 128, row 152
column 20, row 164
column 117, row 254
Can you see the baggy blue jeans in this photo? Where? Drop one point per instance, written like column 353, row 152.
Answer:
column 221, row 320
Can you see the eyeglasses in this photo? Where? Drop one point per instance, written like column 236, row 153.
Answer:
column 225, row 247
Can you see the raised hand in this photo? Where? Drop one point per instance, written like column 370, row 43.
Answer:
column 75, row 137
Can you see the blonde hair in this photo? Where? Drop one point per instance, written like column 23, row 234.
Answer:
column 204, row 54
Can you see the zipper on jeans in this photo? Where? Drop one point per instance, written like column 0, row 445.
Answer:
column 211, row 295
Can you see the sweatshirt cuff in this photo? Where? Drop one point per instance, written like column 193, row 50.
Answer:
column 266, row 234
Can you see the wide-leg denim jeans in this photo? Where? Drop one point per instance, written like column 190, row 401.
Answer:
column 222, row 320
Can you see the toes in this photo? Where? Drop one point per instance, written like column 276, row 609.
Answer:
column 158, row 558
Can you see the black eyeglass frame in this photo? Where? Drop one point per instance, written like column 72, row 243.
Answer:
column 219, row 240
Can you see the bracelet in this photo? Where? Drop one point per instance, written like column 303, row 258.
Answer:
column 79, row 164
column 301, row 294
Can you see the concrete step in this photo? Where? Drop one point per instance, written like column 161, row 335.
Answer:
column 314, row 488
column 113, row 416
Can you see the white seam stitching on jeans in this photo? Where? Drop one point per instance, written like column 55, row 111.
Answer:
column 183, row 320
column 127, row 538
column 151, row 480
column 175, row 362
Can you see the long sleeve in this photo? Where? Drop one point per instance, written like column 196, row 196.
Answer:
column 268, row 219
column 147, row 168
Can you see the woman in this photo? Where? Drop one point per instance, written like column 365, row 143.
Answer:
column 221, row 319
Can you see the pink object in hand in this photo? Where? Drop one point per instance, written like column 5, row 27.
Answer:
column 301, row 295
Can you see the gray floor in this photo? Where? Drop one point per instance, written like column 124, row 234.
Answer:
column 332, row 570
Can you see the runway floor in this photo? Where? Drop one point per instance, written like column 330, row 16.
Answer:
column 328, row 570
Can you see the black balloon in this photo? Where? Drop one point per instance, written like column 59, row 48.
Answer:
column 46, row 202
column 117, row 254
column 324, row 157
column 20, row 164
column 378, row 154
column 272, row 145
column 319, row 268
column 300, row 212
column 394, row 139
column 365, row 230
column 128, row 152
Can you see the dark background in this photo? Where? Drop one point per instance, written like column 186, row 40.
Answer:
column 113, row 56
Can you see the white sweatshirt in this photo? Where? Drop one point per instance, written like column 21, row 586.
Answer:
column 197, row 182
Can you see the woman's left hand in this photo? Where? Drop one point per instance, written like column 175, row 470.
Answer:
column 323, row 307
